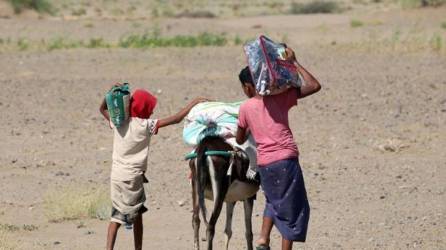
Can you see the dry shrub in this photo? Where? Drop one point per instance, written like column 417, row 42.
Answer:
column 195, row 14
column 41, row 6
column 74, row 202
column 315, row 7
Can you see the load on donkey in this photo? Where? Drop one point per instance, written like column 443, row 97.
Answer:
column 222, row 170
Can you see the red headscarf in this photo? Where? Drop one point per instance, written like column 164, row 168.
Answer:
column 142, row 104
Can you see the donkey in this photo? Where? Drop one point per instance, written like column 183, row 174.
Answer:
column 218, row 173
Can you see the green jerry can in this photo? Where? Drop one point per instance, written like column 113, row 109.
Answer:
column 118, row 101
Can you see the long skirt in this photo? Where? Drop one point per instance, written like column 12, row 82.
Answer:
column 286, row 198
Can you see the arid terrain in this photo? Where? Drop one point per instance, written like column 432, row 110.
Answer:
column 372, row 141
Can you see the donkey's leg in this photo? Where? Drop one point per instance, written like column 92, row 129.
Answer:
column 248, row 205
column 195, row 207
column 218, row 204
column 228, row 227
column 220, row 184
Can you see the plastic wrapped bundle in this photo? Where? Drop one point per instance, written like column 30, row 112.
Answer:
column 210, row 119
column 117, row 100
column 271, row 73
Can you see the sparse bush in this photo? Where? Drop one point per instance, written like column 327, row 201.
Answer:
column 436, row 42
column 88, row 25
column 97, row 43
column 434, row 3
column 196, row 14
column 79, row 12
column 41, row 6
column 354, row 23
column 275, row 5
column 9, row 228
column 30, row 227
column 162, row 9
column 14, row 228
column 314, row 7
column 148, row 40
column 396, row 36
column 421, row 3
column 155, row 40
column 22, row 44
column 72, row 203
column 238, row 40
column 61, row 43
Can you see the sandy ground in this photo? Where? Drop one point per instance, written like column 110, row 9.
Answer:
column 372, row 141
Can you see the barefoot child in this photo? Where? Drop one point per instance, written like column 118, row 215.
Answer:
column 277, row 156
column 130, row 151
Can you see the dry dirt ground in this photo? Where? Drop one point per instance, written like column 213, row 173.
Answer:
column 372, row 141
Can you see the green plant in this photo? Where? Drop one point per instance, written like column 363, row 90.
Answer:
column 237, row 40
column 97, row 43
column 22, row 43
column 62, row 43
column 396, row 36
column 155, row 40
column 5, row 42
column 41, row 6
column 318, row 6
column 147, row 40
column 75, row 202
column 196, row 14
column 354, row 23
column 443, row 25
column 162, row 8
column 436, row 42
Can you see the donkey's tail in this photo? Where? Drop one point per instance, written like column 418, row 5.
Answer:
column 202, row 172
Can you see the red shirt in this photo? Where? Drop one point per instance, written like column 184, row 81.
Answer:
column 267, row 119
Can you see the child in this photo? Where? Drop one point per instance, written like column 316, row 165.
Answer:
column 130, row 151
column 281, row 178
